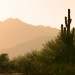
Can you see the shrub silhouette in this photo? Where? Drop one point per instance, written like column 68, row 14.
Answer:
column 4, row 61
column 62, row 50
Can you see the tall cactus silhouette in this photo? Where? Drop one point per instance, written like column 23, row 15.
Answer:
column 66, row 33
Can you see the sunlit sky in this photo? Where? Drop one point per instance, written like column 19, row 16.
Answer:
column 38, row 12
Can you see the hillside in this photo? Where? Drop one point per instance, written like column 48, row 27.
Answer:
column 15, row 34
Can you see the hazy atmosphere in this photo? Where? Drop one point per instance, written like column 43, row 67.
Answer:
column 37, row 37
column 37, row 12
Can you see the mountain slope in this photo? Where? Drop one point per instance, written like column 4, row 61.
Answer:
column 14, row 31
column 17, row 37
column 26, row 47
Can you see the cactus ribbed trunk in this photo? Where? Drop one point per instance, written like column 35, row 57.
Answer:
column 69, row 22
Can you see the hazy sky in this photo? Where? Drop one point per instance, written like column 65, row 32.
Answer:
column 38, row 12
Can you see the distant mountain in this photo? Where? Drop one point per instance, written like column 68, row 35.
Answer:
column 17, row 36
column 26, row 47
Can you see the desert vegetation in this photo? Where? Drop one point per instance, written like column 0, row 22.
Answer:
column 57, row 57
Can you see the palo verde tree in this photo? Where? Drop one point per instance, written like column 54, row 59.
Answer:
column 62, row 50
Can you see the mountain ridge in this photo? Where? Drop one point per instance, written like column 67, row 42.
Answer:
column 14, row 32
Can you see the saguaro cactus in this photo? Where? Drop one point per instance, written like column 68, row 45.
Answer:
column 68, row 22
column 66, row 33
